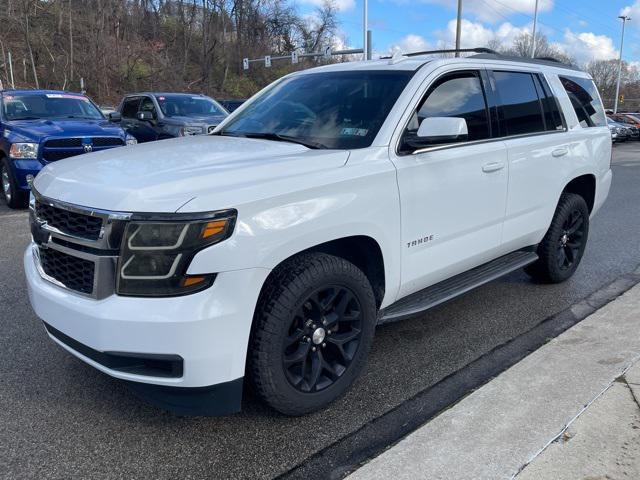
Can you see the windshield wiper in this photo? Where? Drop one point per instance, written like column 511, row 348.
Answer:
column 275, row 136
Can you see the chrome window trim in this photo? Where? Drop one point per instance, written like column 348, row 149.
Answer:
column 479, row 142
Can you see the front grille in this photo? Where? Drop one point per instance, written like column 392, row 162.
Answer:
column 73, row 272
column 71, row 223
column 63, row 143
column 107, row 142
column 55, row 155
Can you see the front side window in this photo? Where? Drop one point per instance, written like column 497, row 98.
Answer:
column 35, row 106
column 130, row 107
column 457, row 95
column 520, row 107
column 338, row 110
column 585, row 100
column 147, row 106
column 188, row 106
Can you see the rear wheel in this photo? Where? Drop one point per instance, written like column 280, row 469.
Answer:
column 562, row 248
column 14, row 197
column 312, row 332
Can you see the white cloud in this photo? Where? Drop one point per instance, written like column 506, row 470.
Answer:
column 632, row 10
column 410, row 43
column 476, row 34
column 494, row 11
column 341, row 5
column 586, row 46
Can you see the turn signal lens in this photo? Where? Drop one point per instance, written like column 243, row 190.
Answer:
column 214, row 228
column 191, row 281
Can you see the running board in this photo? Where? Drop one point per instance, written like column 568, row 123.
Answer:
column 446, row 290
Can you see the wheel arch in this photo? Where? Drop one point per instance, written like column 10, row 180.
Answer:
column 585, row 186
column 361, row 250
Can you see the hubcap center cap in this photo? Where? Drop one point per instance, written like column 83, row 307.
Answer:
column 564, row 239
column 318, row 336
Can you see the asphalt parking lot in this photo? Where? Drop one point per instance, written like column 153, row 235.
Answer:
column 60, row 418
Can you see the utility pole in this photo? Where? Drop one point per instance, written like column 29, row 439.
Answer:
column 458, row 27
column 535, row 24
column 365, row 27
column 624, row 19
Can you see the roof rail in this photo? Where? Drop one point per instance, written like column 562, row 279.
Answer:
column 449, row 50
column 554, row 62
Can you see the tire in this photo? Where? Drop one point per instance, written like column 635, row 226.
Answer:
column 315, row 319
column 562, row 248
column 14, row 197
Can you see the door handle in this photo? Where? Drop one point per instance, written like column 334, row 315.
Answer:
column 560, row 152
column 492, row 167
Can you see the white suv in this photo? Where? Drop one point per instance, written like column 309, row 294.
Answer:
column 335, row 199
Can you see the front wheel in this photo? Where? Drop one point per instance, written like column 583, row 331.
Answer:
column 313, row 329
column 563, row 245
column 14, row 197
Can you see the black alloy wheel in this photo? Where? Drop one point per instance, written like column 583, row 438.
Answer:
column 323, row 338
column 570, row 243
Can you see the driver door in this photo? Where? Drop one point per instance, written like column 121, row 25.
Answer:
column 452, row 192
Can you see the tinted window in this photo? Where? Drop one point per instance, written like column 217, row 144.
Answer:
column 33, row 106
column 340, row 110
column 188, row 106
column 585, row 100
column 147, row 106
column 552, row 115
column 519, row 103
column 458, row 95
column 130, row 107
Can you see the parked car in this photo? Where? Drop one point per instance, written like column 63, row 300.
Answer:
column 629, row 121
column 157, row 116
column 339, row 198
column 622, row 131
column 107, row 110
column 231, row 105
column 43, row 126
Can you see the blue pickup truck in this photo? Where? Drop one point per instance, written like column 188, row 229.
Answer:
column 42, row 126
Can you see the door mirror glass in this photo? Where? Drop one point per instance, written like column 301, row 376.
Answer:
column 443, row 129
column 115, row 117
column 145, row 116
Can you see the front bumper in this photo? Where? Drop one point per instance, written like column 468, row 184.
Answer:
column 22, row 168
column 208, row 331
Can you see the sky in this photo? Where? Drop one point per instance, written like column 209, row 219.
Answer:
column 584, row 29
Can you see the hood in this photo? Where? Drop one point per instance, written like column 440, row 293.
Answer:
column 196, row 119
column 37, row 129
column 163, row 176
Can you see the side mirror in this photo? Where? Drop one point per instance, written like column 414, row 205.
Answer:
column 145, row 116
column 115, row 117
column 443, row 129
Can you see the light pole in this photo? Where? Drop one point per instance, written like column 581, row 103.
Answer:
column 533, row 39
column 624, row 19
column 365, row 26
column 458, row 28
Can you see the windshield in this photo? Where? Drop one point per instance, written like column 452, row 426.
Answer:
column 188, row 106
column 341, row 110
column 35, row 106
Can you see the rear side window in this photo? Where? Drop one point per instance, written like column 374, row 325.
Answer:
column 585, row 100
column 456, row 95
column 521, row 108
column 552, row 116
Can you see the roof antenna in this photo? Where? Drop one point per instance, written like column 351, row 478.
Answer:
column 397, row 56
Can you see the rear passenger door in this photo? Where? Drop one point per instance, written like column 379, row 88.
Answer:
column 535, row 134
column 452, row 193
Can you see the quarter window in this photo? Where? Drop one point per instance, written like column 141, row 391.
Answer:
column 519, row 103
column 457, row 95
column 552, row 116
column 585, row 100
column 130, row 107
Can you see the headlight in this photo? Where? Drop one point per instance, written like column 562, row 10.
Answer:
column 185, row 131
column 23, row 150
column 131, row 140
column 156, row 254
